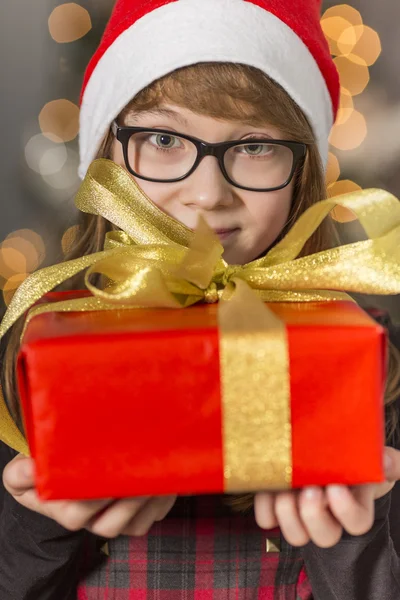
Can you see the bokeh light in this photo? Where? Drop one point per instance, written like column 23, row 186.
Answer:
column 333, row 169
column 333, row 28
column 69, row 22
column 360, row 44
column 351, row 134
column 45, row 154
column 340, row 213
column 19, row 246
column 65, row 179
column 346, row 107
column 11, row 286
column 60, row 118
column 11, row 261
column 335, row 21
column 344, row 11
column 21, row 253
column 354, row 76
column 69, row 238
column 31, row 236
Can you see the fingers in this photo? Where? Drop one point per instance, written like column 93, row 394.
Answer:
column 264, row 510
column 353, row 508
column 106, row 518
column 131, row 516
column 154, row 510
column 18, row 475
column 165, row 507
column 322, row 527
column 302, row 517
column 113, row 521
column 70, row 515
column 75, row 515
column 292, row 527
column 18, row 478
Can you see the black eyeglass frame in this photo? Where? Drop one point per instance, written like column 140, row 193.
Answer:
column 124, row 133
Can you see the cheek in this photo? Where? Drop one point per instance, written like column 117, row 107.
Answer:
column 117, row 154
column 154, row 191
column 269, row 213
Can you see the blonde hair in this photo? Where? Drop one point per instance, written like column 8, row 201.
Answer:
column 231, row 92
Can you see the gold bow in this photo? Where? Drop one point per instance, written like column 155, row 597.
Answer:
column 148, row 263
column 154, row 261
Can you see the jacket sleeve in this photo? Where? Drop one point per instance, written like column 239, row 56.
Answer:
column 365, row 567
column 39, row 559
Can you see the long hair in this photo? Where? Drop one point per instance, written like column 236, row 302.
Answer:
column 230, row 92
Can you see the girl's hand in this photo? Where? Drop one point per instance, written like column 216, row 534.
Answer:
column 321, row 515
column 105, row 518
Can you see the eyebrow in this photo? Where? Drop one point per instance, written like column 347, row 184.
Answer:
column 159, row 112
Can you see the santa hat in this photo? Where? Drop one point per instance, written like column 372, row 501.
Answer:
column 144, row 41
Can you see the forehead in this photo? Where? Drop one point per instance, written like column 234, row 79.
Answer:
column 186, row 119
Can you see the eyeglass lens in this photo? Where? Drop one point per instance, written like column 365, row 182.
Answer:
column 165, row 157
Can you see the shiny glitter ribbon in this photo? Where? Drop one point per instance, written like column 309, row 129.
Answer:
column 154, row 261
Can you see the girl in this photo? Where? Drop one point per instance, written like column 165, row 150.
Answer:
column 223, row 109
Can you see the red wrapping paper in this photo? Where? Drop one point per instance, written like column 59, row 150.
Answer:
column 128, row 403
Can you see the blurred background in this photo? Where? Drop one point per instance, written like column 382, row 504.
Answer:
column 44, row 49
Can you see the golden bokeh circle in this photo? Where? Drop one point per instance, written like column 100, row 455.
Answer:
column 340, row 213
column 351, row 134
column 12, row 261
column 11, row 286
column 333, row 28
column 333, row 169
column 69, row 22
column 27, row 249
column 60, row 118
column 31, row 236
column 346, row 107
column 69, row 238
column 354, row 76
column 348, row 39
column 361, row 45
column 344, row 11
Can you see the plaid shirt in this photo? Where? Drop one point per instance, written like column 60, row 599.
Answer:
column 201, row 551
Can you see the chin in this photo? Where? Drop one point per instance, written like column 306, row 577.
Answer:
column 233, row 257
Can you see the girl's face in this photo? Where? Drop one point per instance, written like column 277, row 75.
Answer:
column 246, row 222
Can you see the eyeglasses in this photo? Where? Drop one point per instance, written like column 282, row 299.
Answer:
column 254, row 164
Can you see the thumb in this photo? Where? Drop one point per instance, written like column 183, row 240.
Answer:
column 18, row 475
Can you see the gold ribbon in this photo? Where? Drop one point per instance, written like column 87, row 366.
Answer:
column 9, row 432
column 155, row 261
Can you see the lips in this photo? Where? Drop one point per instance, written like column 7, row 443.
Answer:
column 224, row 234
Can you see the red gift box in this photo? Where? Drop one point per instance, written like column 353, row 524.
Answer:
column 128, row 402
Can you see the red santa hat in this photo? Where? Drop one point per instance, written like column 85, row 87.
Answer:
column 144, row 41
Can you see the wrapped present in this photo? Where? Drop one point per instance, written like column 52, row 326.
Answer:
column 131, row 389
column 154, row 401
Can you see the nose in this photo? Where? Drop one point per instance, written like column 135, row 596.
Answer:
column 207, row 189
